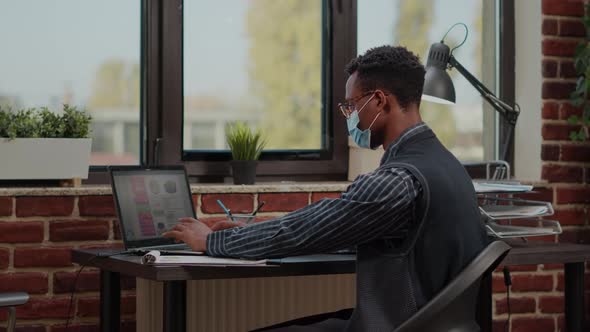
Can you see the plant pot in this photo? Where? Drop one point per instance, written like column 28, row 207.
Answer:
column 244, row 171
column 44, row 158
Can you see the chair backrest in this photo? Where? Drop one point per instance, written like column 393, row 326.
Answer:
column 453, row 309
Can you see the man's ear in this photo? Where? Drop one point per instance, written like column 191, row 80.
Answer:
column 390, row 103
column 382, row 100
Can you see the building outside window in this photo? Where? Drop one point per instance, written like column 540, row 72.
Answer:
column 80, row 52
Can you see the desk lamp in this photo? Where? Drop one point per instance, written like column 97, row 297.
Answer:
column 439, row 88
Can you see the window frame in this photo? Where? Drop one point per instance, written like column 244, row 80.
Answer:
column 161, row 104
column 506, row 74
column 98, row 174
column 330, row 163
column 327, row 149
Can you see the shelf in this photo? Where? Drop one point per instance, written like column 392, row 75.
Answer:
column 497, row 208
column 550, row 227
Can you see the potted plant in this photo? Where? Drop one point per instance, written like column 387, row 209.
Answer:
column 37, row 144
column 245, row 146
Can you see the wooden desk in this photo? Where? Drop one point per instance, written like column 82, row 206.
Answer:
column 573, row 256
column 175, row 277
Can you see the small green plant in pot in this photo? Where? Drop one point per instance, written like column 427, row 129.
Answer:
column 245, row 146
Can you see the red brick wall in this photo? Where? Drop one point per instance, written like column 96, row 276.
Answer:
column 537, row 293
column 38, row 232
column 36, row 236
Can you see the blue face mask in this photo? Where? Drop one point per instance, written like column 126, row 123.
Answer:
column 362, row 138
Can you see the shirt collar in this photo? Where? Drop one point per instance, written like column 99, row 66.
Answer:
column 394, row 147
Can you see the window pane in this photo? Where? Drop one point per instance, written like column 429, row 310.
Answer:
column 102, row 137
column 132, row 139
column 203, row 135
column 416, row 25
column 257, row 61
column 80, row 52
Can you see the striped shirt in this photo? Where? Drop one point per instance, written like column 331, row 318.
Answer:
column 379, row 204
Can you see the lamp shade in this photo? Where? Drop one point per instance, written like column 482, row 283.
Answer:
column 438, row 86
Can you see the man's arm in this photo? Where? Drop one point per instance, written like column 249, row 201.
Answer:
column 375, row 205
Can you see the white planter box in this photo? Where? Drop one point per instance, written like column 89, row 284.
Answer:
column 44, row 158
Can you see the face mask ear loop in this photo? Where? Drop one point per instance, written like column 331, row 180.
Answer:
column 375, row 119
column 365, row 104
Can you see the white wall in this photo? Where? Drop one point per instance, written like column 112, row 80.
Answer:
column 527, row 156
column 361, row 161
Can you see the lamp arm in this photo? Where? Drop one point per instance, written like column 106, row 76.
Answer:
column 510, row 113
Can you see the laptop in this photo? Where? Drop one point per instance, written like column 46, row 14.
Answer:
column 149, row 202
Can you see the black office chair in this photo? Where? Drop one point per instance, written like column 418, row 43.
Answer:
column 453, row 309
column 11, row 300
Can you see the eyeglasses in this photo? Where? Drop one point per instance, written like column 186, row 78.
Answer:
column 348, row 106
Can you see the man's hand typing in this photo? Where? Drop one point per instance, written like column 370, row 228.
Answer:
column 190, row 231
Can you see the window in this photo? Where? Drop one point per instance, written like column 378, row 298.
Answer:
column 277, row 65
column 262, row 65
column 163, row 79
column 207, row 77
column 79, row 52
column 418, row 24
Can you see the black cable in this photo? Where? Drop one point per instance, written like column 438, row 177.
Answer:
column 98, row 255
column 464, row 39
column 507, row 323
column 508, row 283
column 74, row 291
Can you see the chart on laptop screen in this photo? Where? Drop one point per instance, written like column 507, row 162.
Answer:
column 151, row 202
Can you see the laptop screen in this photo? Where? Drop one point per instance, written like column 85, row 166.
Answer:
column 150, row 202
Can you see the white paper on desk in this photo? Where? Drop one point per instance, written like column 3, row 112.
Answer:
column 155, row 257
column 489, row 187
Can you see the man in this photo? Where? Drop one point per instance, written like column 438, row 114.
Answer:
column 414, row 219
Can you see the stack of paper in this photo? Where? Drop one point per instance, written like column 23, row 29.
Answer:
column 507, row 231
column 514, row 211
column 496, row 202
column 155, row 257
column 491, row 187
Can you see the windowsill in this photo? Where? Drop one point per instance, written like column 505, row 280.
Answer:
column 271, row 187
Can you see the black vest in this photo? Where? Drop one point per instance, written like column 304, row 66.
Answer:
column 396, row 278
